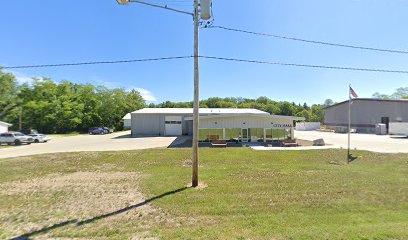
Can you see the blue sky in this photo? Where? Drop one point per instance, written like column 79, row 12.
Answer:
column 42, row 32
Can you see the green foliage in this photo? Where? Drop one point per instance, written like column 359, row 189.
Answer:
column 8, row 100
column 400, row 93
column 64, row 107
column 311, row 113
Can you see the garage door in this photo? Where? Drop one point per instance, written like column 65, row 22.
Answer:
column 173, row 126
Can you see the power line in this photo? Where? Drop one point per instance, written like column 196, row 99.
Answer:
column 209, row 57
column 96, row 63
column 307, row 65
column 312, row 41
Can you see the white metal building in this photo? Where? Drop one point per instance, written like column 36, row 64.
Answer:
column 127, row 123
column 4, row 126
column 235, row 124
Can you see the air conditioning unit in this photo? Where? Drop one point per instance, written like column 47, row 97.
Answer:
column 381, row 129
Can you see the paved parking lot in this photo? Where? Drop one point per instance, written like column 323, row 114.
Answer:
column 110, row 142
column 369, row 142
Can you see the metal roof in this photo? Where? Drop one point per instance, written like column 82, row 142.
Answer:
column 370, row 100
column 127, row 117
column 5, row 124
column 202, row 111
column 249, row 115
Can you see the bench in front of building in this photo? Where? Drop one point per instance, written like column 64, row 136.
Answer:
column 289, row 143
column 219, row 143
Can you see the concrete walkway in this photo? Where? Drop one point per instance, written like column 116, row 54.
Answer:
column 369, row 142
column 262, row 148
column 83, row 143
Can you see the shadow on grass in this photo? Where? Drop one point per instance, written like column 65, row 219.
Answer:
column 27, row 236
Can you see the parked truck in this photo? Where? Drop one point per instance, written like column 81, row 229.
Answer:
column 398, row 128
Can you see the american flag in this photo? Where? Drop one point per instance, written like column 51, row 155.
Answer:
column 353, row 94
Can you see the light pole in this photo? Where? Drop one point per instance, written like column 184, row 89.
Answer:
column 205, row 15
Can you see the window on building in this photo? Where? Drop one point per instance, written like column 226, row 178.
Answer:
column 203, row 135
column 278, row 134
column 232, row 134
column 173, row 122
column 256, row 133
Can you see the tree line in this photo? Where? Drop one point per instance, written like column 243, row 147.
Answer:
column 399, row 93
column 63, row 107
column 313, row 113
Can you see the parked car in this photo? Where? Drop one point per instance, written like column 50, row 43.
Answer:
column 40, row 138
column 107, row 130
column 28, row 131
column 96, row 130
column 16, row 138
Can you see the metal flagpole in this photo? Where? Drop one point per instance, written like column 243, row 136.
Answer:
column 349, row 125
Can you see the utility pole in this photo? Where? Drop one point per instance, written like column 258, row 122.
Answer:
column 196, row 98
column 349, row 126
column 20, row 118
column 205, row 7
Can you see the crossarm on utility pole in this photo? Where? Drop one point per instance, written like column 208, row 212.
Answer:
column 164, row 7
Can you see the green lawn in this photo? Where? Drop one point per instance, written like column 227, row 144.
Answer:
column 249, row 195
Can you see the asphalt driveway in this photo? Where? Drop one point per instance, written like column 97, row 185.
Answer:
column 83, row 143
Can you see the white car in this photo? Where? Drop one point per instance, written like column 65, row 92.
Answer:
column 15, row 137
column 40, row 138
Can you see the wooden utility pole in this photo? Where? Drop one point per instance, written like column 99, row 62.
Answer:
column 205, row 6
column 349, row 126
column 196, row 97
column 20, row 119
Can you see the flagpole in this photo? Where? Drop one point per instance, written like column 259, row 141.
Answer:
column 349, row 125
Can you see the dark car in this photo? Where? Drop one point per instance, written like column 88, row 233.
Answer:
column 107, row 130
column 96, row 130
column 28, row 131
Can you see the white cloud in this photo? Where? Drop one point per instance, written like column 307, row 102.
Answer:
column 21, row 77
column 146, row 94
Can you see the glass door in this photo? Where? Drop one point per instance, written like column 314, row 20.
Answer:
column 244, row 135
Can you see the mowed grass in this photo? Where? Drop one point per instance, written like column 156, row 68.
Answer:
column 249, row 195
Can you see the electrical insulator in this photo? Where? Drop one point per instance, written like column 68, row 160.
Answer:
column 205, row 9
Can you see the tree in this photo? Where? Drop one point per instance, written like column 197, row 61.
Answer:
column 399, row 93
column 286, row 109
column 328, row 102
column 64, row 107
column 8, row 95
column 305, row 113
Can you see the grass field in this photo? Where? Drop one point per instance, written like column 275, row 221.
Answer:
column 245, row 194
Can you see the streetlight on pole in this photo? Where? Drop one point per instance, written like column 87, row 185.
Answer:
column 205, row 6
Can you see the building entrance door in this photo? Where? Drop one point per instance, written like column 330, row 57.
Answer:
column 244, row 135
column 386, row 121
